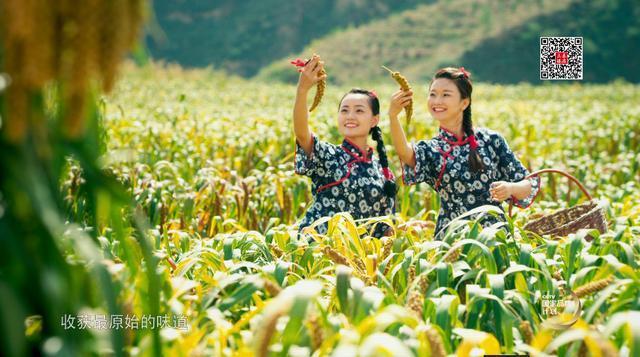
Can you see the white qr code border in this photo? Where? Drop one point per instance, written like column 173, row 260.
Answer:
column 573, row 69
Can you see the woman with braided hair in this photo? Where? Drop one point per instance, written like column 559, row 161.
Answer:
column 346, row 177
column 468, row 167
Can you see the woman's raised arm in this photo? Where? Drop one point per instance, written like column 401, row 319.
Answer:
column 309, row 76
column 398, row 101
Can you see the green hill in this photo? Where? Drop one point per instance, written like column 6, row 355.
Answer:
column 498, row 41
column 611, row 34
column 243, row 36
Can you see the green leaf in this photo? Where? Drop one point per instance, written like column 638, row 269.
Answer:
column 281, row 270
column 446, row 312
column 343, row 278
column 241, row 294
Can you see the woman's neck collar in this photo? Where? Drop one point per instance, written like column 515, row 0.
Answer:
column 360, row 143
column 454, row 128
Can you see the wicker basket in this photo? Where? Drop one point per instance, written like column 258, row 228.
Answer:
column 569, row 220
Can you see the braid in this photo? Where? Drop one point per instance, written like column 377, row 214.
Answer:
column 390, row 187
column 376, row 134
column 475, row 163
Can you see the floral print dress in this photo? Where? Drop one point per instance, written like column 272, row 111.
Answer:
column 345, row 179
column 443, row 163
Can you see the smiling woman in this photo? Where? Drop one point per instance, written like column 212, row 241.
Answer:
column 348, row 177
column 467, row 167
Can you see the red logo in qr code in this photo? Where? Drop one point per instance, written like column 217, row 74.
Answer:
column 562, row 58
column 554, row 58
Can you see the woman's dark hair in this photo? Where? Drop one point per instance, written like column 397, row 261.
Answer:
column 374, row 103
column 460, row 77
column 390, row 188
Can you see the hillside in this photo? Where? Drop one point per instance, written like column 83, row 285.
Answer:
column 611, row 33
column 499, row 42
column 418, row 41
column 243, row 36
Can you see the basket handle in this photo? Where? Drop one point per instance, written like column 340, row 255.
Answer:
column 555, row 171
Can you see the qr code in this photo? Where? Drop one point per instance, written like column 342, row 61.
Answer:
column 561, row 58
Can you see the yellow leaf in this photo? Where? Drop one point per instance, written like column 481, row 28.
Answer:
column 476, row 340
column 521, row 284
column 541, row 340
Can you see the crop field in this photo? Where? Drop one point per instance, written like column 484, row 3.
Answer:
column 208, row 160
column 147, row 209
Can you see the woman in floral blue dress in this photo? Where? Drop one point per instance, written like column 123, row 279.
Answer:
column 346, row 177
column 468, row 167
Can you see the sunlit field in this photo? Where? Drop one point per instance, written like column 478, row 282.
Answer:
column 208, row 159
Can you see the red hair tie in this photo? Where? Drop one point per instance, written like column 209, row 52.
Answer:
column 464, row 72
column 472, row 142
column 387, row 173
column 373, row 93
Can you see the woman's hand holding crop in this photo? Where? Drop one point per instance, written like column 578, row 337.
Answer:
column 310, row 73
column 399, row 100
